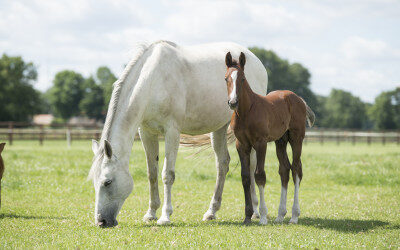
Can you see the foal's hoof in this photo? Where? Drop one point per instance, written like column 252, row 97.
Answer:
column 209, row 216
column 163, row 221
column 149, row 217
column 255, row 215
column 293, row 220
column 247, row 221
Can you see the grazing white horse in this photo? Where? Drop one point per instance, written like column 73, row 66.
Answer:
column 167, row 90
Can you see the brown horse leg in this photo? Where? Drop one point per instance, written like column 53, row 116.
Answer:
column 284, row 169
column 296, row 142
column 244, row 155
column 259, row 176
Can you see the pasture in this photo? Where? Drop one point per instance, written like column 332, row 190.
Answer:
column 349, row 197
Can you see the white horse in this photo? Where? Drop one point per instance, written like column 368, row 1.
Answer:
column 167, row 90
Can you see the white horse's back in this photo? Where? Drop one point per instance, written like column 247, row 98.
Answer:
column 195, row 79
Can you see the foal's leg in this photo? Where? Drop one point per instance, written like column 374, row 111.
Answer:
column 150, row 144
column 284, row 169
column 172, row 136
column 296, row 141
column 254, row 199
column 259, row 175
column 218, row 140
column 244, row 154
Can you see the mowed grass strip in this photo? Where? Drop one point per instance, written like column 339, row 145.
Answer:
column 349, row 197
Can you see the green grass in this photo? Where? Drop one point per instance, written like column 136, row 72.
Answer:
column 349, row 197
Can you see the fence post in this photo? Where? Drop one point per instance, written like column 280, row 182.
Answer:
column 41, row 135
column 68, row 137
column 383, row 138
column 369, row 139
column 321, row 139
column 10, row 132
column 353, row 139
column 398, row 138
column 337, row 138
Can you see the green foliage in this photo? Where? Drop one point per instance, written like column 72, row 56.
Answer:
column 105, row 78
column 386, row 110
column 343, row 110
column 18, row 99
column 285, row 76
column 349, row 198
column 66, row 93
column 92, row 103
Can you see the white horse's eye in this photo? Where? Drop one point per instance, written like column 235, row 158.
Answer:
column 107, row 183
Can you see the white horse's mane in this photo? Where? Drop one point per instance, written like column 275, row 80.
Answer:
column 139, row 50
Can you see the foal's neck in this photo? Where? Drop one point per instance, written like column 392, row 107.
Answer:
column 245, row 99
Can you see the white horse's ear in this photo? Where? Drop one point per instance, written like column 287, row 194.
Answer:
column 2, row 146
column 242, row 60
column 107, row 149
column 228, row 59
column 95, row 146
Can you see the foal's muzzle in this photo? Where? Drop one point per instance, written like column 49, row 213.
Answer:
column 233, row 104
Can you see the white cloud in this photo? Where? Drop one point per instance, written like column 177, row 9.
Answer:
column 345, row 44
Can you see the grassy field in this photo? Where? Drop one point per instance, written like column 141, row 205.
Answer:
column 349, row 197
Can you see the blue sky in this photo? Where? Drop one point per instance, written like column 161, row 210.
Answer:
column 350, row 45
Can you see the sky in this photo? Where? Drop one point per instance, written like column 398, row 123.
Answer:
column 350, row 45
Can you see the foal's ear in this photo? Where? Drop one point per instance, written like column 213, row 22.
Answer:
column 228, row 59
column 95, row 146
column 2, row 146
column 242, row 60
column 107, row 149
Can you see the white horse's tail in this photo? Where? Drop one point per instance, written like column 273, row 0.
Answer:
column 203, row 140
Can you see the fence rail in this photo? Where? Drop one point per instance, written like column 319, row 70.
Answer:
column 10, row 132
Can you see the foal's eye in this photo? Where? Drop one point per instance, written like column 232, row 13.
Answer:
column 226, row 79
column 107, row 183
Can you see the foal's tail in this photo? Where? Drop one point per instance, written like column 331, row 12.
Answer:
column 309, row 114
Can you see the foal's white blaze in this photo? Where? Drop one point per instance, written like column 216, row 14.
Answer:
column 232, row 96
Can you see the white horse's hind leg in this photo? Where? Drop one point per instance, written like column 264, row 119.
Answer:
column 222, row 158
column 254, row 200
column 168, row 174
column 150, row 144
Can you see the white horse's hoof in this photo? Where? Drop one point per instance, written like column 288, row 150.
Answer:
column 149, row 217
column 255, row 215
column 279, row 219
column 163, row 221
column 263, row 221
column 209, row 216
column 293, row 220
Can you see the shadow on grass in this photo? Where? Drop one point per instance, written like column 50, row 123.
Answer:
column 31, row 217
column 342, row 225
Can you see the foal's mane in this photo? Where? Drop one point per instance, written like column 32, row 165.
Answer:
column 139, row 51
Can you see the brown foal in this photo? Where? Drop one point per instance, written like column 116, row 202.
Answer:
column 281, row 117
column 1, row 167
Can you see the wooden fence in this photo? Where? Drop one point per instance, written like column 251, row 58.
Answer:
column 10, row 131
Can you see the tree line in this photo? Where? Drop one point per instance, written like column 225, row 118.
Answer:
column 71, row 94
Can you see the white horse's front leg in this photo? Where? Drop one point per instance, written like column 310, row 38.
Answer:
column 150, row 144
column 222, row 158
column 172, row 137
column 254, row 200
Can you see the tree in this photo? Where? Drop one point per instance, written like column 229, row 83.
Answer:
column 285, row 76
column 93, row 101
column 386, row 110
column 343, row 110
column 18, row 99
column 66, row 93
column 105, row 79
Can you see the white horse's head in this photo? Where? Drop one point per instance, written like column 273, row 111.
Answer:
column 112, row 183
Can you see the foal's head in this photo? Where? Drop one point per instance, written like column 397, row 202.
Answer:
column 234, row 78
